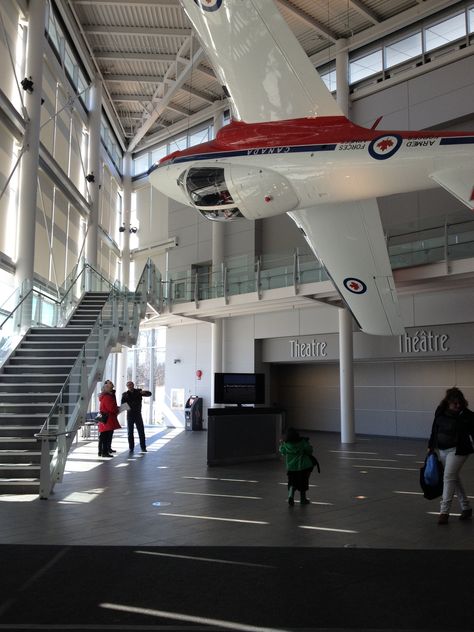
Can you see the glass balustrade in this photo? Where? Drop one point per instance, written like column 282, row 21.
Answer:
column 423, row 242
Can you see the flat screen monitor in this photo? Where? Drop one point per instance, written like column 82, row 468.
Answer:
column 239, row 388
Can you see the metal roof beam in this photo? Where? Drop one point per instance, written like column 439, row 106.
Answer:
column 178, row 109
column 168, row 89
column 315, row 24
column 135, row 30
column 200, row 95
column 362, row 8
column 206, row 71
column 136, row 3
column 133, row 78
column 133, row 98
column 157, row 138
column 114, row 56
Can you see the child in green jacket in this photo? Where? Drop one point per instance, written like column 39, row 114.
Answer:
column 297, row 451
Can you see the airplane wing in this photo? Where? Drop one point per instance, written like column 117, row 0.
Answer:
column 459, row 181
column 348, row 240
column 259, row 61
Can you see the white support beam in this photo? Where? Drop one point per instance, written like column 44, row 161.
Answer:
column 362, row 8
column 136, row 30
column 324, row 31
column 113, row 56
column 168, row 4
column 132, row 98
column 133, row 78
column 177, row 128
column 199, row 94
column 206, row 71
column 168, row 89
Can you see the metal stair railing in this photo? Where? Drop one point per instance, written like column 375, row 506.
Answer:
column 68, row 412
column 70, row 406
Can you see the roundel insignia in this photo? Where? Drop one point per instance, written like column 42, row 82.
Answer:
column 356, row 286
column 209, row 5
column 385, row 146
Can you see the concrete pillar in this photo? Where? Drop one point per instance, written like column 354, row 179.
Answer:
column 346, row 377
column 217, row 260
column 342, row 76
column 121, row 379
column 95, row 116
column 30, row 161
column 346, row 361
column 127, row 210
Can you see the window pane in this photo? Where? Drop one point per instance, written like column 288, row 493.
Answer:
column 403, row 50
column 199, row 137
column 140, row 165
column 329, row 79
column 445, row 32
column 178, row 144
column 471, row 20
column 158, row 154
column 365, row 66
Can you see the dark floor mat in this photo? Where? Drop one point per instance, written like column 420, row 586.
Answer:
column 235, row 588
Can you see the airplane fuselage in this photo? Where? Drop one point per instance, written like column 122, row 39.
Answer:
column 272, row 168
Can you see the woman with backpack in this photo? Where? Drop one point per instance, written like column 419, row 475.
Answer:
column 453, row 428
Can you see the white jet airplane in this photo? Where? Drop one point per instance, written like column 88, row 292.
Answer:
column 289, row 149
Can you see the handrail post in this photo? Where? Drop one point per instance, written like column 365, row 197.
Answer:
column 101, row 339
column 84, row 388
column 258, row 284
column 88, row 279
column 296, row 271
column 196, row 289
column 45, row 470
column 37, row 312
column 115, row 316
column 446, row 251
column 61, row 443
column 224, row 284
column 170, row 294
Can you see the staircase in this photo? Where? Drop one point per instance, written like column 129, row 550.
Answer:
column 30, row 383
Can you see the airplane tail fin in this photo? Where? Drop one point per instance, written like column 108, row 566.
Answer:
column 259, row 61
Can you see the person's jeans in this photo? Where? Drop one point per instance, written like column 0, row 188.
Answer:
column 136, row 420
column 452, row 483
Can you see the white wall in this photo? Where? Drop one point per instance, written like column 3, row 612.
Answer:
column 189, row 345
column 392, row 398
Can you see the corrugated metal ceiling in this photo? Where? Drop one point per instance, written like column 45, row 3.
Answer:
column 124, row 37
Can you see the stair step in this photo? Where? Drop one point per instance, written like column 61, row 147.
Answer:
column 22, row 443
column 19, row 486
column 13, row 432
column 28, row 388
column 21, row 457
column 19, row 471
column 37, row 377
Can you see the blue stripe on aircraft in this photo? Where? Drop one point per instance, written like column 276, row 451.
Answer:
column 257, row 151
column 457, row 140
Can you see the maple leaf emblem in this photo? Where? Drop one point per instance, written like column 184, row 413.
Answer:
column 354, row 286
column 385, row 144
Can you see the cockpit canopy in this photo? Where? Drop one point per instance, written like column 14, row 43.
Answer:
column 207, row 189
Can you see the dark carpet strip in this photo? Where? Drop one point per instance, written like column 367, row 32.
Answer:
column 255, row 589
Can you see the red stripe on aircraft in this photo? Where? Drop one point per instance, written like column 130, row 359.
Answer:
column 297, row 132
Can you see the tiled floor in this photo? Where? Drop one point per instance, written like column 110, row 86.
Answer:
column 366, row 496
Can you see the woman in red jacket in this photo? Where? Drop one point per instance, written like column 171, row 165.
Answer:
column 107, row 406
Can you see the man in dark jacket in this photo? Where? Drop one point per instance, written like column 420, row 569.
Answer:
column 133, row 397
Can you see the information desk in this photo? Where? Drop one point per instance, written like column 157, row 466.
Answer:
column 239, row 434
